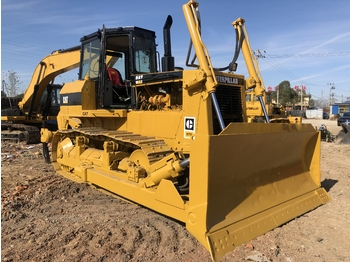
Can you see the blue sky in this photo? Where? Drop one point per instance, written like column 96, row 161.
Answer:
column 306, row 42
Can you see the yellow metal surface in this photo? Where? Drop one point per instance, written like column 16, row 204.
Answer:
column 246, row 191
column 14, row 118
column 295, row 119
column 202, row 53
column 255, row 79
column 45, row 135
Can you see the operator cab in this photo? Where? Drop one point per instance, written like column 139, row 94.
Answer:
column 54, row 92
column 110, row 56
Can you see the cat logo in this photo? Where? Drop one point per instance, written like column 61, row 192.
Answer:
column 138, row 79
column 189, row 126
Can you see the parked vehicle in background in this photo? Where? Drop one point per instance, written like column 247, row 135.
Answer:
column 325, row 115
column 345, row 118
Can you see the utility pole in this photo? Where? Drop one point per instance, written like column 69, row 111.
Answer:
column 259, row 54
column 301, row 96
column 330, row 93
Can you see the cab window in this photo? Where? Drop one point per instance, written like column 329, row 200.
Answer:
column 144, row 55
column 91, row 59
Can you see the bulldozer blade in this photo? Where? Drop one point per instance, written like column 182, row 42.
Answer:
column 346, row 128
column 259, row 176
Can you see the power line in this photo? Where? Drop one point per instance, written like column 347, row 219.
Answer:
column 345, row 53
column 25, row 45
column 20, row 61
column 21, row 54
column 272, row 62
column 275, row 64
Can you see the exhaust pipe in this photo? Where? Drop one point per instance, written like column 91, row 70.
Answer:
column 168, row 62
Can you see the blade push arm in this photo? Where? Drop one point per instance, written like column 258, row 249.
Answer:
column 254, row 80
column 202, row 55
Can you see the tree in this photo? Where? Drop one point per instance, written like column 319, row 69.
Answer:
column 321, row 103
column 3, row 87
column 11, row 83
column 287, row 95
column 312, row 102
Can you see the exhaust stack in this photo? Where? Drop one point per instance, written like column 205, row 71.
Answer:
column 168, row 62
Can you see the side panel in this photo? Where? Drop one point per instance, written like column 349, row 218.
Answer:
column 161, row 124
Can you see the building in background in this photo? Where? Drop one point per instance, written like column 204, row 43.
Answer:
column 339, row 108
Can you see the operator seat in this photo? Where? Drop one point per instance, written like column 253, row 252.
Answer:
column 115, row 77
column 118, row 85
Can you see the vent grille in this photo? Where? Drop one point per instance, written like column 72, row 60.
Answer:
column 230, row 103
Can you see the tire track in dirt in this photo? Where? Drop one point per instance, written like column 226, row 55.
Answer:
column 46, row 217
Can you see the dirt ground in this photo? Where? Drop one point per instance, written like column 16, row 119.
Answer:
column 45, row 217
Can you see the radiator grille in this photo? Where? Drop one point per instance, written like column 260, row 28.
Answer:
column 230, row 103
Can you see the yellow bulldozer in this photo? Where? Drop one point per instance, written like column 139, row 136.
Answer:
column 21, row 119
column 178, row 141
column 255, row 113
column 276, row 112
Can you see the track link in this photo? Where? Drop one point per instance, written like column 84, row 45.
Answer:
column 20, row 132
column 155, row 149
